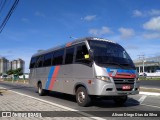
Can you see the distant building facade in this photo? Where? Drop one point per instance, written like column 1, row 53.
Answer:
column 4, row 65
column 19, row 63
column 150, row 64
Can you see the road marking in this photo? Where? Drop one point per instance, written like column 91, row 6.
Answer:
column 142, row 99
column 57, row 105
column 151, row 105
column 149, row 88
column 150, row 93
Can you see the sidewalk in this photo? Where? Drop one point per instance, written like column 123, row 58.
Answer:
column 10, row 101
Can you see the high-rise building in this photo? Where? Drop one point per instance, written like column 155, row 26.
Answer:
column 15, row 64
column 4, row 65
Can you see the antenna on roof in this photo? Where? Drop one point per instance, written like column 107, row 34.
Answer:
column 71, row 37
column 39, row 51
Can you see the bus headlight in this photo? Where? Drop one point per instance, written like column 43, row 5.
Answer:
column 104, row 78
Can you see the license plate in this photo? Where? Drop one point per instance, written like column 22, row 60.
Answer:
column 126, row 87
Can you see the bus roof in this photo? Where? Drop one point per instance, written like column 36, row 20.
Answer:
column 76, row 41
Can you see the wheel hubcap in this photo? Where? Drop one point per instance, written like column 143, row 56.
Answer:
column 81, row 97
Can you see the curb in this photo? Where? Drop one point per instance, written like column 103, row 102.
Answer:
column 150, row 93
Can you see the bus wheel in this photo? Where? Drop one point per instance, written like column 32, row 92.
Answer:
column 82, row 97
column 120, row 100
column 41, row 91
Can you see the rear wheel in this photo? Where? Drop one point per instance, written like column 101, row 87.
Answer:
column 41, row 91
column 120, row 100
column 82, row 97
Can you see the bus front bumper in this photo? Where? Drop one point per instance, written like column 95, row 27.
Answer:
column 111, row 90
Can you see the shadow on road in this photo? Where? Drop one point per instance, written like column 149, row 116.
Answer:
column 95, row 102
column 62, row 96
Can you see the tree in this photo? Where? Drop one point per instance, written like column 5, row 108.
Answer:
column 10, row 72
column 15, row 72
column 18, row 71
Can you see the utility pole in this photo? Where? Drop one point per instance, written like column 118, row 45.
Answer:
column 142, row 58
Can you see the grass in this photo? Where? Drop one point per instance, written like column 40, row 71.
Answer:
column 150, row 78
column 19, row 80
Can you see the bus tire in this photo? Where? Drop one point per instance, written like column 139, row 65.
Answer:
column 41, row 91
column 82, row 97
column 120, row 100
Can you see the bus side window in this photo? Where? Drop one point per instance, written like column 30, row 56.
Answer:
column 69, row 55
column 33, row 62
column 47, row 59
column 40, row 61
column 81, row 52
column 58, row 57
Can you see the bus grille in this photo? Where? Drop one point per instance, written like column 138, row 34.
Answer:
column 119, row 82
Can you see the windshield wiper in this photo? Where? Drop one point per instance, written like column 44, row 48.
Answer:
column 113, row 63
column 125, row 64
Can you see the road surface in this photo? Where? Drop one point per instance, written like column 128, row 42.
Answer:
column 134, row 103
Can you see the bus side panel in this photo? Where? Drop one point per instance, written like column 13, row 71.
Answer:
column 43, row 75
column 32, row 80
column 67, row 78
column 83, row 74
column 53, row 78
column 40, row 75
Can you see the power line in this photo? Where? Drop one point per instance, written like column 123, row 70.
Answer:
column 8, row 15
column 1, row 3
column 1, row 8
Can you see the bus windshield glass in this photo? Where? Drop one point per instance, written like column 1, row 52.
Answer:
column 110, row 54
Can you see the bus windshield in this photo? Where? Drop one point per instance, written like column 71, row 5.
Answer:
column 110, row 54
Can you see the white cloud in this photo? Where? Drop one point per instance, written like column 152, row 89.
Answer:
column 132, row 47
column 90, row 17
column 151, row 35
column 137, row 13
column 98, row 32
column 152, row 12
column 25, row 20
column 152, row 24
column 126, row 33
column 40, row 14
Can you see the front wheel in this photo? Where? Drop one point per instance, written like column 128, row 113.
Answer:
column 120, row 100
column 82, row 97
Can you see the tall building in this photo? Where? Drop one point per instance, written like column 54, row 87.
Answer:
column 4, row 65
column 15, row 64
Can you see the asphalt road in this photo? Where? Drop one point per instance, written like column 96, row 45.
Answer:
column 150, row 83
column 134, row 103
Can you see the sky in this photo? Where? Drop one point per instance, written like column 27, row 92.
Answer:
column 42, row 24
